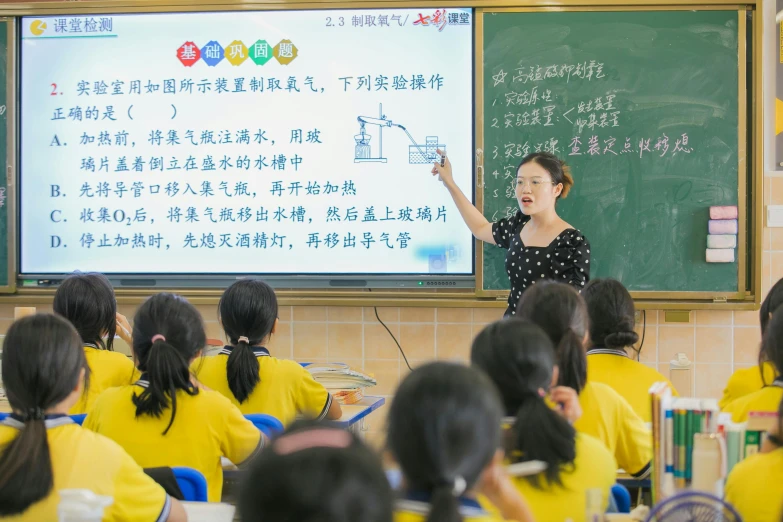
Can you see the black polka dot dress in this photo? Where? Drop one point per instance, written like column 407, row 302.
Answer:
column 566, row 259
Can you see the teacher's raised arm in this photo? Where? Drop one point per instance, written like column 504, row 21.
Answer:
column 540, row 244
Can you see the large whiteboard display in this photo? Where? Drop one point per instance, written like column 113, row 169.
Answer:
column 297, row 142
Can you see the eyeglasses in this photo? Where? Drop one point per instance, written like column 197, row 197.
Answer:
column 534, row 183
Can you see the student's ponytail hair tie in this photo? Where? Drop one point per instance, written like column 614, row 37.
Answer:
column 455, row 486
column 243, row 339
column 33, row 414
column 459, row 486
column 315, row 438
column 158, row 337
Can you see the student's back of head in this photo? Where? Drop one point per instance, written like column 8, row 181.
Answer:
column 43, row 363
column 772, row 343
column 168, row 333
column 519, row 358
column 771, row 303
column 315, row 473
column 560, row 311
column 88, row 302
column 444, row 430
column 611, row 311
column 248, row 314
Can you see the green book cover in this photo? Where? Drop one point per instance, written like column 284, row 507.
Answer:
column 752, row 442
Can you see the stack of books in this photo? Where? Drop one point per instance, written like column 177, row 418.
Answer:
column 346, row 384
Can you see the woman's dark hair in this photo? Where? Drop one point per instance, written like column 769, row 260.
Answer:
column 178, row 332
column 43, row 358
column 444, row 429
column 519, row 358
column 88, row 302
column 316, row 473
column 772, row 342
column 772, row 302
column 611, row 311
column 248, row 311
column 557, row 169
column 561, row 312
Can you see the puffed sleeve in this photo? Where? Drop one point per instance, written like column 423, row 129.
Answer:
column 504, row 230
column 571, row 262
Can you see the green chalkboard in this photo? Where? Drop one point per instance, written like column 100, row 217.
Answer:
column 590, row 86
column 7, row 283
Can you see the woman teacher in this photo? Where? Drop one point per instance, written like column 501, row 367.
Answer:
column 540, row 244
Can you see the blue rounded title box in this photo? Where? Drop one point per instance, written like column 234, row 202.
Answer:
column 212, row 53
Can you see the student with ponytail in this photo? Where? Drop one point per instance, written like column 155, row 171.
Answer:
column 611, row 311
column 165, row 418
column 444, row 432
column 88, row 302
column 247, row 374
column 749, row 380
column 520, row 359
column 768, row 397
column 42, row 451
column 755, row 485
column 561, row 312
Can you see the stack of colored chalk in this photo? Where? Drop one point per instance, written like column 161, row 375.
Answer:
column 722, row 238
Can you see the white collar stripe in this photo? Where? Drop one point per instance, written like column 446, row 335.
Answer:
column 607, row 351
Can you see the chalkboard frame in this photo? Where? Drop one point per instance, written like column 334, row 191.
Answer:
column 749, row 168
column 476, row 297
column 8, row 286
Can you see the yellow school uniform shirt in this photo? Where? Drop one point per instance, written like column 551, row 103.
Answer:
column 82, row 459
column 407, row 510
column 285, row 390
column 746, row 381
column 593, row 468
column 609, row 418
column 766, row 399
column 107, row 370
column 755, row 487
column 207, row 427
column 631, row 379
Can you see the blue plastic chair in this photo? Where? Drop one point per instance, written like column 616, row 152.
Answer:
column 192, row 484
column 267, row 424
column 622, row 498
column 3, row 416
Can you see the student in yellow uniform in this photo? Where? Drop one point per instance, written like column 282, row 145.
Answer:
column 245, row 371
column 88, row 302
column 611, row 312
column 42, row 451
column 767, row 398
column 520, row 359
column 561, row 312
column 748, row 380
column 444, row 432
column 165, row 418
column 315, row 473
column 755, row 485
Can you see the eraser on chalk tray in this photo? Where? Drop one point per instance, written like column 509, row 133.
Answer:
column 723, row 212
column 721, row 241
column 720, row 255
column 723, row 226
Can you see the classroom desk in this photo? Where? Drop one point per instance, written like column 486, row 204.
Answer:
column 629, row 481
column 354, row 415
column 209, row 512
